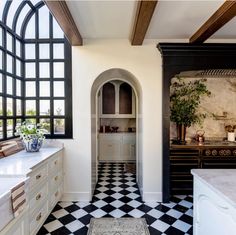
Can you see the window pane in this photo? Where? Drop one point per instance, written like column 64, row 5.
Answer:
column 18, row 48
column 59, row 107
column 0, row 36
column 30, row 89
column 9, row 42
column 43, row 22
column 30, row 107
column 9, row 85
column 44, row 106
column 29, row 51
column 9, row 63
column 9, row 127
column 30, row 120
column 58, row 51
column 45, row 123
column 57, row 32
column 44, row 89
column 18, row 87
column 1, row 129
column 9, row 107
column 18, row 107
column 12, row 10
column 2, row 5
column 44, row 51
column 30, row 70
column 1, row 61
column 59, row 126
column 0, row 82
column 18, row 67
column 58, row 70
column 58, row 89
column 21, row 18
column 1, row 110
column 44, row 70
column 30, row 28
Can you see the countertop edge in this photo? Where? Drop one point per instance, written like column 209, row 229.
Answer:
column 217, row 191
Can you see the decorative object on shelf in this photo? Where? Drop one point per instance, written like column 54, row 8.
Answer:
column 114, row 128
column 185, row 98
column 230, row 132
column 32, row 136
column 200, row 136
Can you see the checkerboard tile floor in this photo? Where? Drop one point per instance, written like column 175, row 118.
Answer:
column 117, row 195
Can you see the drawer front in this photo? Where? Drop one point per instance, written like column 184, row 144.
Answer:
column 38, row 176
column 37, row 218
column 55, row 163
column 55, row 196
column 55, row 181
column 38, row 196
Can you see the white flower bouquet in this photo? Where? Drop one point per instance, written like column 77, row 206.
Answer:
column 32, row 136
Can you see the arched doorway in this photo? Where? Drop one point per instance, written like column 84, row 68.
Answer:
column 127, row 77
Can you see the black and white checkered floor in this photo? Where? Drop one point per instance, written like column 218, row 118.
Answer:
column 117, row 195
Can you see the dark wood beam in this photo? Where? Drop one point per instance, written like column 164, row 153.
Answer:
column 144, row 14
column 224, row 14
column 62, row 14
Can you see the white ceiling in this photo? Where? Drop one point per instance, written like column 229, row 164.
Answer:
column 171, row 20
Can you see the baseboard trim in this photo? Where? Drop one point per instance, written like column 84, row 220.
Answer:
column 72, row 196
column 152, row 196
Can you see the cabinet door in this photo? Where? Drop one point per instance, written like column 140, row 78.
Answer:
column 125, row 99
column 109, row 149
column 128, row 148
column 108, row 98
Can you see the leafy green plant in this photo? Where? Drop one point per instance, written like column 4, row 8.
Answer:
column 185, row 98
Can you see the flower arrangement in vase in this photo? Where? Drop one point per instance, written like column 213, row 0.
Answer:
column 32, row 136
column 230, row 132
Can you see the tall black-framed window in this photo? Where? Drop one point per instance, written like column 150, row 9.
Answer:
column 35, row 70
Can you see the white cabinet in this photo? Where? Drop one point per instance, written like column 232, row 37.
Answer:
column 45, row 190
column 116, row 100
column 117, row 146
column 212, row 213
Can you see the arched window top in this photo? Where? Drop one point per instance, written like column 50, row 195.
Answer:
column 19, row 17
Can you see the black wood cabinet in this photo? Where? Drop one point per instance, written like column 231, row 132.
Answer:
column 186, row 157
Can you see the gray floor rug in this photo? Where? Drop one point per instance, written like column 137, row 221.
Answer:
column 120, row 226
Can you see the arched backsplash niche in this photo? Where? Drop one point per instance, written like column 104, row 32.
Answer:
column 219, row 107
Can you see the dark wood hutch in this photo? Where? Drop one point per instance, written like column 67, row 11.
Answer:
column 176, row 58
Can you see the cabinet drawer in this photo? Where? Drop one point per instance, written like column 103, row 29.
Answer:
column 55, row 196
column 37, row 218
column 38, row 196
column 55, row 163
column 38, row 176
column 55, row 181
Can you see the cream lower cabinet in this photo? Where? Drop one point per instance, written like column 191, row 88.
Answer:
column 45, row 190
column 117, row 146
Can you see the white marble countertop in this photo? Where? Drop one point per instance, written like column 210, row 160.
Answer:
column 21, row 163
column 221, row 181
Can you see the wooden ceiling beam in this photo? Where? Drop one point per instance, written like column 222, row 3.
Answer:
column 223, row 15
column 144, row 14
column 61, row 12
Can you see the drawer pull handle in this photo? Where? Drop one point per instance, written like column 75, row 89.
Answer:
column 109, row 145
column 56, row 178
column 55, row 163
column 39, row 217
column 56, row 194
column 38, row 177
column 38, row 196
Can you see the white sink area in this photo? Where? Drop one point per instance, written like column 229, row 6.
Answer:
column 6, row 184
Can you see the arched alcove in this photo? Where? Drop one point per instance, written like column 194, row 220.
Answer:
column 104, row 77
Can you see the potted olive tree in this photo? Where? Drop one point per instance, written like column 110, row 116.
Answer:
column 185, row 98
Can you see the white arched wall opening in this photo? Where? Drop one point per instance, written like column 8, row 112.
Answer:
column 106, row 76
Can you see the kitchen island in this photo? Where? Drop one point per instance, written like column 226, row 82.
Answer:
column 214, row 201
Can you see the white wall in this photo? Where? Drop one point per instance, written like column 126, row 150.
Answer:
column 144, row 62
